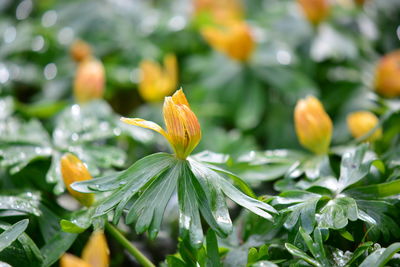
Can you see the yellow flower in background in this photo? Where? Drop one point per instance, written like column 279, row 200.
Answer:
column 94, row 254
column 89, row 80
column 313, row 125
column 219, row 11
column 315, row 10
column 157, row 82
column 387, row 77
column 182, row 127
column 235, row 39
column 74, row 170
column 80, row 51
column 361, row 123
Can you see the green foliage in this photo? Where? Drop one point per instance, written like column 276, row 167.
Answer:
column 249, row 195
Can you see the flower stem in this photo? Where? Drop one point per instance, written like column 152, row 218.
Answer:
column 142, row 259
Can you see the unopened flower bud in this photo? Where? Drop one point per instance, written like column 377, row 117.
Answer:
column 96, row 250
column 182, row 127
column 313, row 125
column 80, row 51
column 89, row 81
column 361, row 123
column 94, row 254
column 235, row 39
column 315, row 10
column 69, row 260
column 74, row 170
column 387, row 81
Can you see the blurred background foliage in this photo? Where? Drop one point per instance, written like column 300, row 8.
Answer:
column 243, row 104
column 292, row 58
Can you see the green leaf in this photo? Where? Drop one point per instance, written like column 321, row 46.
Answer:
column 71, row 227
column 260, row 208
column 173, row 261
column 211, row 157
column 147, row 211
column 375, row 191
column 214, row 195
column 26, row 202
column 56, row 247
column 22, row 252
column 360, row 250
column 189, row 217
column 251, row 109
column 239, row 182
column 252, row 256
column 355, row 166
column 345, row 234
column 301, row 254
column 193, row 184
column 146, row 167
column 12, row 233
column 21, row 143
column 381, row 256
column 303, row 207
column 212, row 249
column 336, row 213
column 378, row 214
column 254, row 205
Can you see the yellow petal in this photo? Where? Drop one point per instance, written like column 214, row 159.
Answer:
column 171, row 73
column 361, row 123
column 74, row 170
column 192, row 127
column 179, row 98
column 145, row 124
column 156, row 81
column 234, row 39
column 183, row 128
column 96, row 251
column 174, row 125
column 313, row 125
column 69, row 260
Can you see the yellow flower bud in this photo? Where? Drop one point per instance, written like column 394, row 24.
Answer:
column 183, row 129
column 219, row 11
column 235, row 39
column 361, row 123
column 157, row 82
column 315, row 10
column 74, row 170
column 69, row 260
column 89, row 81
column 80, row 51
column 313, row 125
column 387, row 82
column 94, row 254
column 96, row 251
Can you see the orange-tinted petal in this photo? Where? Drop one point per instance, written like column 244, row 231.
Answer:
column 313, row 125
column 89, row 81
column 361, row 123
column 69, row 260
column 145, row 124
column 179, row 98
column 96, row 251
column 183, row 128
column 74, row 170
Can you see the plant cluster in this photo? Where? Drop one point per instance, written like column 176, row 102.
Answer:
column 200, row 133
